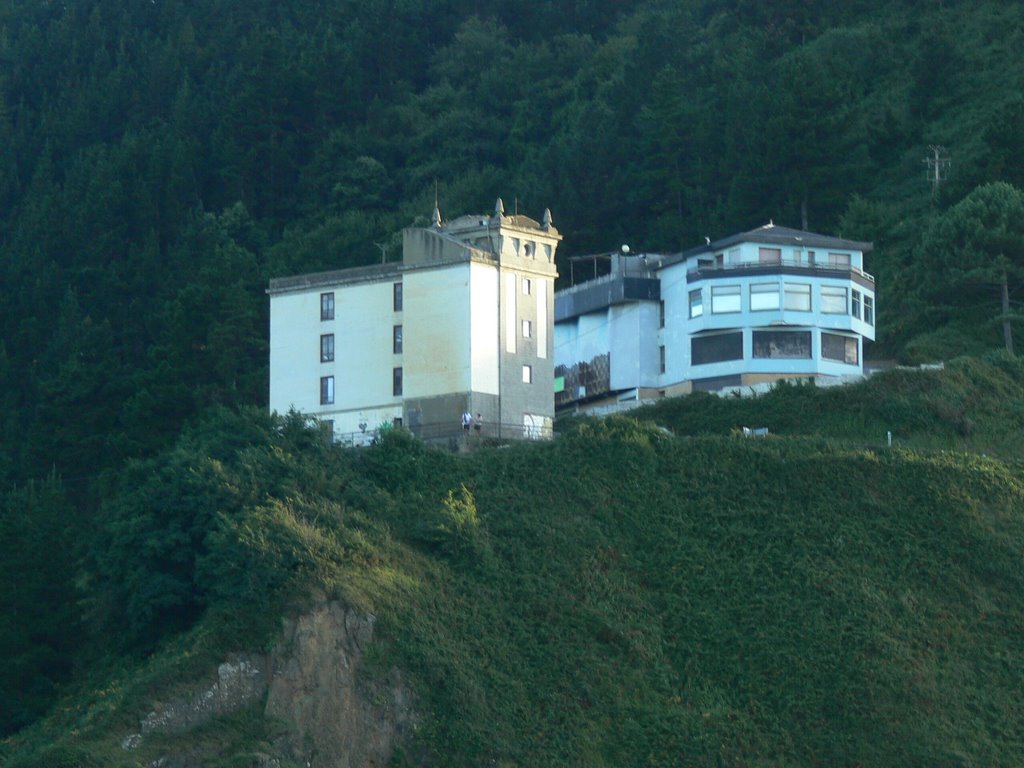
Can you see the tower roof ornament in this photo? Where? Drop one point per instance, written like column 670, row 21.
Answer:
column 499, row 208
column 547, row 218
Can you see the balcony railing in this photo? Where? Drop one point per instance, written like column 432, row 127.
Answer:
column 791, row 266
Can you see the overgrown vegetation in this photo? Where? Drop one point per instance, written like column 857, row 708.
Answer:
column 969, row 404
column 616, row 597
column 163, row 160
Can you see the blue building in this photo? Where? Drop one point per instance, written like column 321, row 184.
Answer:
column 752, row 308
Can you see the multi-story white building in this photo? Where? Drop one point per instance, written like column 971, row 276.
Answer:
column 755, row 307
column 462, row 325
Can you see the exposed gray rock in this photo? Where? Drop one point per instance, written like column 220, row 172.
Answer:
column 240, row 682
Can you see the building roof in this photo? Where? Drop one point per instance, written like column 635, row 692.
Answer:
column 770, row 234
column 335, row 277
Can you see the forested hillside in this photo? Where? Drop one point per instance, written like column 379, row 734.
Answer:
column 161, row 160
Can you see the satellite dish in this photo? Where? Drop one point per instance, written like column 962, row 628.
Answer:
column 625, row 248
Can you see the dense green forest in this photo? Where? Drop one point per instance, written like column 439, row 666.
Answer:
column 162, row 160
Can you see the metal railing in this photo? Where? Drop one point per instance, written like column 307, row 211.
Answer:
column 788, row 263
column 452, row 435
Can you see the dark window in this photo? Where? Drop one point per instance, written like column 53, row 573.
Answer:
column 326, row 306
column 855, row 304
column 782, row 344
column 326, row 390
column 716, row 348
column 661, row 314
column 396, row 340
column 841, row 348
column 326, row 347
column 398, row 297
column 396, row 382
column 769, row 255
column 661, row 358
column 869, row 309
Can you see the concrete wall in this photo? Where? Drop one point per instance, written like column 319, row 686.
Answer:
column 437, row 331
column 363, row 354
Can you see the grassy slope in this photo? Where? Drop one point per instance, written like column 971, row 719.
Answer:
column 620, row 597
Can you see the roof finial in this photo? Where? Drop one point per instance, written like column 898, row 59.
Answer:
column 771, row 223
column 547, row 218
column 436, row 218
column 499, row 208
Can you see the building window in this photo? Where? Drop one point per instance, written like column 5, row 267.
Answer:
column 786, row 345
column 833, row 300
column 661, row 314
column 798, row 297
column 696, row 303
column 515, row 245
column 841, row 348
column 326, row 306
column 716, row 348
column 398, row 297
column 769, row 255
column 527, row 286
column 527, row 374
column 326, row 390
column 855, row 303
column 869, row 309
column 396, row 340
column 527, row 329
column 396, row 382
column 725, row 298
column 528, row 250
column 661, row 358
column 547, row 251
column 764, row 296
column 841, row 260
column 326, row 347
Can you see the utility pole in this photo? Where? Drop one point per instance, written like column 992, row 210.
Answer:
column 383, row 251
column 938, row 167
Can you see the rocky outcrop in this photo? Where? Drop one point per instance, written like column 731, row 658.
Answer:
column 312, row 683
column 336, row 718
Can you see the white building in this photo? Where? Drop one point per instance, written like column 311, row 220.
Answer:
column 463, row 324
column 755, row 307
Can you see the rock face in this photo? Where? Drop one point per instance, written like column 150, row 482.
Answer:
column 336, row 720
column 334, row 717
